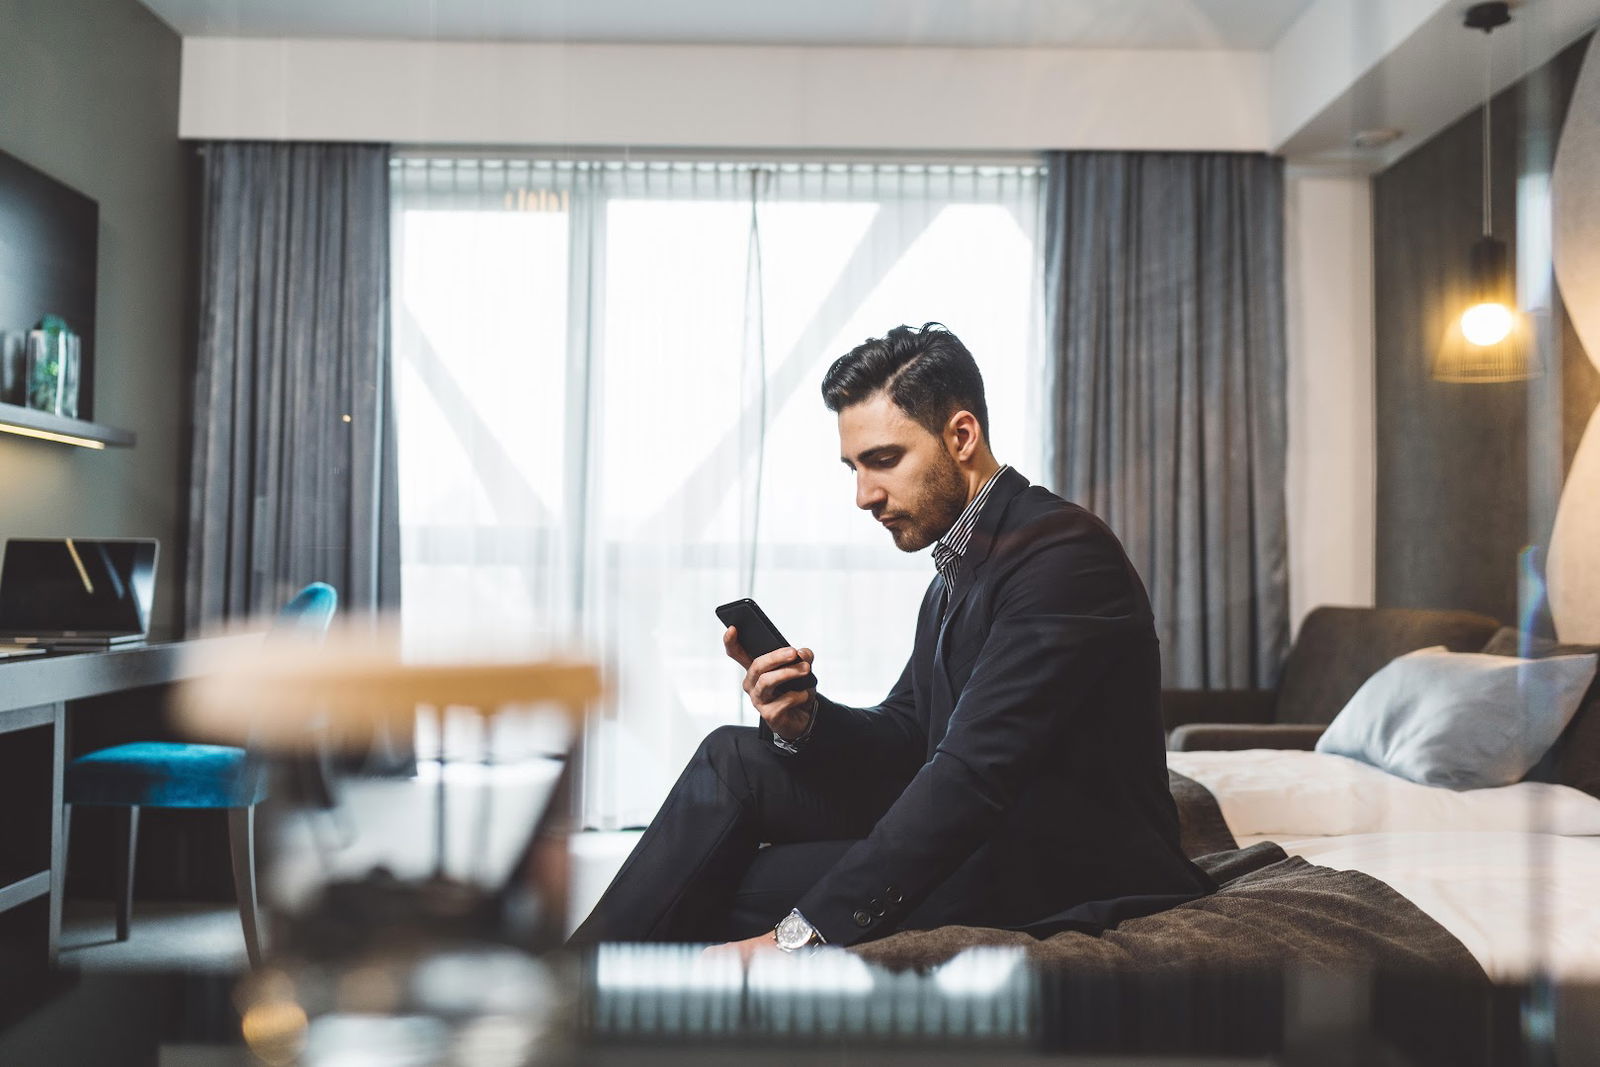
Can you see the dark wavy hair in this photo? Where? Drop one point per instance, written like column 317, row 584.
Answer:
column 927, row 372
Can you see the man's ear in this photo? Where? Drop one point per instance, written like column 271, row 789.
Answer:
column 963, row 435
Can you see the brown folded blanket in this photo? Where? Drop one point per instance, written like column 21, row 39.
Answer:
column 1218, row 974
column 1270, row 909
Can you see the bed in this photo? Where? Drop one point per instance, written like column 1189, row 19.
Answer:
column 1270, row 793
column 1510, row 872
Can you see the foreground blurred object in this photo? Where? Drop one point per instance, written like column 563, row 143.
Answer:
column 1574, row 566
column 175, row 774
column 358, row 683
column 986, row 996
column 1012, row 1002
column 430, row 967
column 484, row 1005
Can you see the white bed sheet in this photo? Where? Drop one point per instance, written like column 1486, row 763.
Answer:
column 1521, row 903
column 1277, row 793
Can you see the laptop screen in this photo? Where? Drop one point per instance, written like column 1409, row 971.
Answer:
column 77, row 586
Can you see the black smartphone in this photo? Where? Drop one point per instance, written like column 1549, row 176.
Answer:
column 757, row 634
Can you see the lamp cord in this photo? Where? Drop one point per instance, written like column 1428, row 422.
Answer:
column 1488, row 133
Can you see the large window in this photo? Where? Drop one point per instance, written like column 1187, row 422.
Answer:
column 609, row 416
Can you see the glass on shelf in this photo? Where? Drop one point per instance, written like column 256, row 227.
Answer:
column 54, row 362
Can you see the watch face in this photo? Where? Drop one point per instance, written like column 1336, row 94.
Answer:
column 793, row 932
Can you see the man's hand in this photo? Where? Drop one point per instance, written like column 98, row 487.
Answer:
column 788, row 713
column 746, row 948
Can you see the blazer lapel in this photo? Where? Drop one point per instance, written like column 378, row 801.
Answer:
column 983, row 537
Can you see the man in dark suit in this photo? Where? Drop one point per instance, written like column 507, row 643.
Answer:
column 1014, row 777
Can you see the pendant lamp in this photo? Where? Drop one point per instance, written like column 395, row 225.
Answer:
column 1487, row 340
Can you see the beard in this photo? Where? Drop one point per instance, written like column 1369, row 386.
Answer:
column 939, row 501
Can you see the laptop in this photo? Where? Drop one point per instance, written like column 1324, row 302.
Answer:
column 76, row 592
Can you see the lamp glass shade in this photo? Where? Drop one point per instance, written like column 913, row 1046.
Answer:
column 1460, row 359
column 1489, row 339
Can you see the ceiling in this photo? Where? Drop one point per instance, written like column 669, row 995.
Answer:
column 1251, row 25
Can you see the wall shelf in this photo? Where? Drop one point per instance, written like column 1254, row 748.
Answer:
column 45, row 426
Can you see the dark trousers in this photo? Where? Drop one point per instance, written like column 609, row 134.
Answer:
column 701, row 873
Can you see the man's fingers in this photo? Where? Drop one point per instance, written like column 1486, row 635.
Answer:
column 761, row 665
column 766, row 690
column 778, row 657
column 764, row 674
column 735, row 651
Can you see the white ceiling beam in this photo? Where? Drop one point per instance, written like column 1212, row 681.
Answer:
column 713, row 96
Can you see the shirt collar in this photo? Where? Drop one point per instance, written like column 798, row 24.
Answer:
column 948, row 550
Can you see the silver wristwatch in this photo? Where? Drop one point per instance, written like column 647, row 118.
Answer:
column 793, row 932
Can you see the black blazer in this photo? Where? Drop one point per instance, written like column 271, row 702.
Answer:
column 1028, row 725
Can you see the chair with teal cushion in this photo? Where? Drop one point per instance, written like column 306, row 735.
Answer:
column 175, row 774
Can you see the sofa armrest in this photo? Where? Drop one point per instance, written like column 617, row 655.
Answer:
column 1180, row 706
column 1230, row 736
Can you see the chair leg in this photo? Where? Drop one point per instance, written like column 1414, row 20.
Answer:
column 59, row 892
column 124, row 873
column 66, row 838
column 242, row 845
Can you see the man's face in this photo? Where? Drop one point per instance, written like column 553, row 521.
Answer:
column 904, row 474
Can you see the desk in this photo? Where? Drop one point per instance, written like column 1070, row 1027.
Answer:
column 34, row 693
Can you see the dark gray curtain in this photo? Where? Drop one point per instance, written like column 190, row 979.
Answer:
column 293, row 476
column 1164, row 299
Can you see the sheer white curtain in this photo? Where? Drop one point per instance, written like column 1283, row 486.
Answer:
column 610, row 422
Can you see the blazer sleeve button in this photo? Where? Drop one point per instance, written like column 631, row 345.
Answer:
column 876, row 907
column 862, row 918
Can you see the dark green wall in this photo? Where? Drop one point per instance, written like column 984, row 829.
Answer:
column 90, row 96
column 1467, row 474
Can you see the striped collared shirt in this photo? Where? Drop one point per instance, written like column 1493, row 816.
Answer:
column 946, row 556
column 947, row 551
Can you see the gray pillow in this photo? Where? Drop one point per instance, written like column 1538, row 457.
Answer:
column 1463, row 720
column 1575, row 757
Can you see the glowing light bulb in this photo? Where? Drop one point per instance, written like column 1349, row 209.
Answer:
column 1486, row 324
